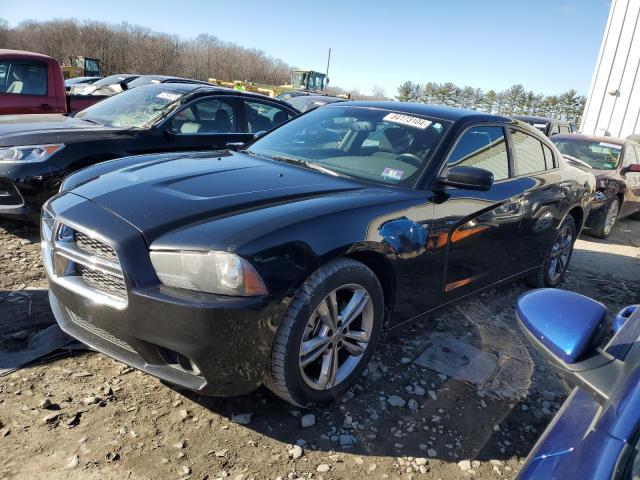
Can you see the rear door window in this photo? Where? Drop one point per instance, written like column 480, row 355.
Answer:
column 263, row 116
column 18, row 77
column 529, row 153
column 482, row 147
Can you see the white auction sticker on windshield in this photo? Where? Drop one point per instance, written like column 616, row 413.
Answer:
column 393, row 173
column 610, row 145
column 407, row 120
column 168, row 96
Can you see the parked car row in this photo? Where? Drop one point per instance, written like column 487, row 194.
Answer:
column 221, row 240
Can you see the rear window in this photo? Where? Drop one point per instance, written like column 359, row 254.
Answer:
column 18, row 77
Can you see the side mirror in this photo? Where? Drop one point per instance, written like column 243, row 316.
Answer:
column 633, row 168
column 472, row 178
column 567, row 329
column 124, row 86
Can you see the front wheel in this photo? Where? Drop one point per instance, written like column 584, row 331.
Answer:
column 601, row 225
column 555, row 265
column 327, row 334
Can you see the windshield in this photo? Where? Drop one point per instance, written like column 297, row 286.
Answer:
column 365, row 143
column 133, row 108
column 599, row 155
column 111, row 80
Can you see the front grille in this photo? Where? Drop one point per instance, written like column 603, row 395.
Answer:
column 95, row 247
column 82, row 263
column 106, row 283
column 81, row 322
column 9, row 195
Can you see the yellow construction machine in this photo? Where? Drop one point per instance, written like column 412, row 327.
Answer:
column 301, row 80
column 82, row 67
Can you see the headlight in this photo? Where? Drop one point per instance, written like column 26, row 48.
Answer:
column 214, row 272
column 29, row 153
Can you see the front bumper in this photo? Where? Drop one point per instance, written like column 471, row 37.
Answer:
column 25, row 187
column 212, row 344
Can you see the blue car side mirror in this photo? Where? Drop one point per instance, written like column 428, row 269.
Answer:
column 567, row 324
column 568, row 330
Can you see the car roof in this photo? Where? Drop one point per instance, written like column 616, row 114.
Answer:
column 168, row 78
column 435, row 111
column 204, row 88
column 5, row 52
column 593, row 138
column 534, row 118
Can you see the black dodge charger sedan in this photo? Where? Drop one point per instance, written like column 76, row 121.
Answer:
column 284, row 263
column 38, row 151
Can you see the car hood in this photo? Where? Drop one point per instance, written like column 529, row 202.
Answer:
column 168, row 192
column 51, row 128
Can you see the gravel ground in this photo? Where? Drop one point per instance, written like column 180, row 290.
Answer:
column 79, row 414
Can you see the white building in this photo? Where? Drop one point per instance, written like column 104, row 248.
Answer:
column 613, row 104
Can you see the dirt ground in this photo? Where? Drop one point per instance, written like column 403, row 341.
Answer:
column 79, row 414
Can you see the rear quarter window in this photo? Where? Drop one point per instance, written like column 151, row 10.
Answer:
column 529, row 153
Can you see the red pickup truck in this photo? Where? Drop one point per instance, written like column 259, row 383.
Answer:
column 33, row 83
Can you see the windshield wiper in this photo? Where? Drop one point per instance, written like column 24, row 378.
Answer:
column 306, row 164
column 90, row 121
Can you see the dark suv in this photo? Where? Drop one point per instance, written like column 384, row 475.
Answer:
column 548, row 126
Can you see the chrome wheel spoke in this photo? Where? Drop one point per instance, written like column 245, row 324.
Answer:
column 354, row 308
column 328, row 311
column 354, row 349
column 357, row 335
column 312, row 349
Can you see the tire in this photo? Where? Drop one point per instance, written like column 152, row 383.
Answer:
column 559, row 256
column 602, row 223
column 350, row 284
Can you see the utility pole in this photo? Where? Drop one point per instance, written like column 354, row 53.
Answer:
column 328, row 61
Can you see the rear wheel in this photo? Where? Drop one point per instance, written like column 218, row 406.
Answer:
column 327, row 335
column 557, row 261
column 601, row 225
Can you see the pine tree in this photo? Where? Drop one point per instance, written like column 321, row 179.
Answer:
column 406, row 92
column 490, row 101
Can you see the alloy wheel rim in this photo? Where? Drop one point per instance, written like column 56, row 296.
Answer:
column 336, row 337
column 612, row 215
column 560, row 253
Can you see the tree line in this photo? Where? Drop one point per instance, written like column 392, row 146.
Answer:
column 516, row 100
column 127, row 48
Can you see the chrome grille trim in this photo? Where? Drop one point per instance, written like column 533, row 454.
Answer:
column 95, row 277
column 95, row 247
column 105, row 282
column 90, row 327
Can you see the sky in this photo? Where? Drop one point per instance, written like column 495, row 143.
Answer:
column 549, row 46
